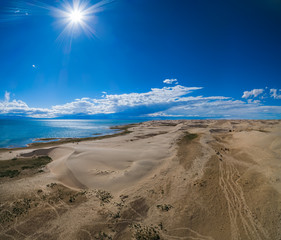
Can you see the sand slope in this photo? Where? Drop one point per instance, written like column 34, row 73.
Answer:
column 164, row 180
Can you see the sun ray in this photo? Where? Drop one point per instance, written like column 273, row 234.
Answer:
column 78, row 14
column 72, row 16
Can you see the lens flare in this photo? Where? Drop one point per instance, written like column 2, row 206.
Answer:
column 77, row 15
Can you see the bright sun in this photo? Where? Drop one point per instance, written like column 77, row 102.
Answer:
column 76, row 16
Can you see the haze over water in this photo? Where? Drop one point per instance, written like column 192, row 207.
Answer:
column 20, row 132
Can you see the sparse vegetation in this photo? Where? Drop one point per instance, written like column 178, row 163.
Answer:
column 145, row 233
column 160, row 225
column 10, row 211
column 189, row 136
column 16, row 209
column 27, row 167
column 9, row 173
column 72, row 197
column 165, row 207
column 46, row 139
column 6, row 216
column 21, row 207
column 123, row 197
column 103, row 236
column 104, row 196
column 117, row 215
column 262, row 130
column 51, row 185
column 60, row 192
column 14, row 167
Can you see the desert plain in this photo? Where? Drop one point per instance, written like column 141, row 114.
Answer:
column 170, row 179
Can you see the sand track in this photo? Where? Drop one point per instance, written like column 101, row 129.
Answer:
column 239, row 212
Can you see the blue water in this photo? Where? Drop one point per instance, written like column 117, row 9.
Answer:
column 20, row 132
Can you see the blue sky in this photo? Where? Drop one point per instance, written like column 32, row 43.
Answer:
column 224, row 55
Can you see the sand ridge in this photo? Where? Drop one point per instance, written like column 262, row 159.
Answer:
column 109, row 164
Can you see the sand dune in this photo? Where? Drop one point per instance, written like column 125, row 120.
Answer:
column 198, row 179
column 111, row 164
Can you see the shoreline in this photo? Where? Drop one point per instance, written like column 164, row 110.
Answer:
column 123, row 130
column 49, row 142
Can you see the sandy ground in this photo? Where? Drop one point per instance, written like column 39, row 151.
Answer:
column 211, row 179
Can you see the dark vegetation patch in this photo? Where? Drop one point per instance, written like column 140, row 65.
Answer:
column 16, row 209
column 46, row 139
column 59, row 192
column 9, row 173
column 38, row 152
column 262, row 130
column 188, row 137
column 219, row 130
column 200, row 183
column 145, row 232
column 104, row 196
column 16, row 166
column 102, row 236
column 168, row 124
column 164, row 207
column 198, row 126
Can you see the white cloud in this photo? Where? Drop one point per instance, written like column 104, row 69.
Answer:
column 274, row 94
column 7, row 96
column 175, row 101
column 162, row 114
column 170, row 81
column 110, row 103
column 223, row 109
column 114, row 103
column 254, row 93
column 20, row 108
column 253, row 101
